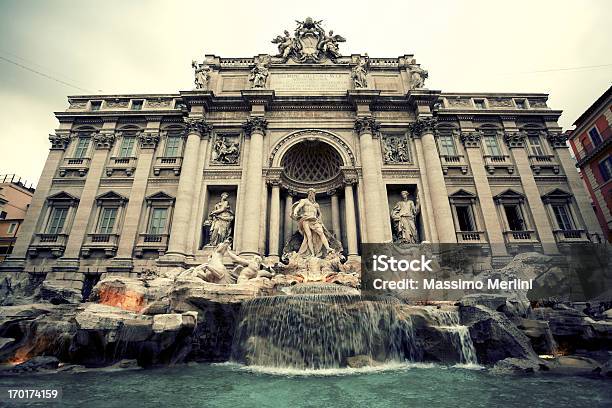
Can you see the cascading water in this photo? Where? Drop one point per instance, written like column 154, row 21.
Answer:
column 448, row 320
column 320, row 326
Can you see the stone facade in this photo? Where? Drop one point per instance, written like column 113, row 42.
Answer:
column 130, row 180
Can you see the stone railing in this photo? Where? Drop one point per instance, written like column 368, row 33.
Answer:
column 78, row 165
column 570, row 235
column 55, row 243
column 124, row 164
column 543, row 161
column 167, row 163
column 525, row 236
column 453, row 161
column 104, row 242
column 493, row 162
column 471, row 237
column 151, row 242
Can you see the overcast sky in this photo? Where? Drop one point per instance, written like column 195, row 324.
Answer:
column 147, row 47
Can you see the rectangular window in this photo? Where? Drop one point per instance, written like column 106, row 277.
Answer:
column 514, row 217
column 595, row 136
column 3, row 215
column 564, row 219
column 96, row 105
column 11, row 228
column 465, row 218
column 479, row 103
column 127, row 145
column 157, row 225
column 57, row 220
column 492, row 146
column 605, row 168
column 536, row 146
column 172, row 146
column 107, row 220
column 447, row 145
column 137, row 104
column 81, row 147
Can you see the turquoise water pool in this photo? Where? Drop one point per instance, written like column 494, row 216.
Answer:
column 229, row 385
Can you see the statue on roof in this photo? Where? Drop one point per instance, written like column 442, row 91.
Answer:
column 310, row 43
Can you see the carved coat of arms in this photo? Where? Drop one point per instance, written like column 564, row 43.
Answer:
column 310, row 43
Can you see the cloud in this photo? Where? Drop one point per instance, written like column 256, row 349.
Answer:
column 147, row 47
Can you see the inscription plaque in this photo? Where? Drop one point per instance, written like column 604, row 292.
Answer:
column 309, row 82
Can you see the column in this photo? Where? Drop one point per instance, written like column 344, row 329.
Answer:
column 274, row 230
column 351, row 221
column 372, row 180
column 516, row 144
column 288, row 219
column 59, row 141
column 558, row 142
column 438, row 195
column 148, row 141
column 183, row 217
column 471, row 141
column 255, row 128
column 335, row 212
column 103, row 142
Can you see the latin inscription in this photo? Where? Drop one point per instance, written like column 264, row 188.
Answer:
column 309, row 82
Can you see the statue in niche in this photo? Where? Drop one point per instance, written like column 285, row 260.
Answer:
column 395, row 150
column 417, row 75
column 220, row 220
column 202, row 75
column 213, row 271
column 404, row 219
column 259, row 73
column 360, row 71
column 308, row 215
column 226, row 150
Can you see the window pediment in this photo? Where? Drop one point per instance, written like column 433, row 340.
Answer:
column 111, row 197
column 63, row 198
column 509, row 196
column 160, row 198
column 557, row 195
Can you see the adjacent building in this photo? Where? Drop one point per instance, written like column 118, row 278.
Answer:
column 130, row 180
column 591, row 142
column 15, row 198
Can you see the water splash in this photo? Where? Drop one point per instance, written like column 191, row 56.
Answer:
column 448, row 320
column 322, row 326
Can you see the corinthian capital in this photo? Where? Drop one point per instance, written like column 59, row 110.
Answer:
column 148, row 140
column 366, row 125
column 104, row 139
column 198, row 125
column 423, row 125
column 470, row 139
column 59, row 141
column 557, row 140
column 255, row 124
column 515, row 139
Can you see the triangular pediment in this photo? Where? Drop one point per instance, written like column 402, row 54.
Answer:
column 160, row 196
column 461, row 193
column 111, row 195
column 62, row 196
column 509, row 194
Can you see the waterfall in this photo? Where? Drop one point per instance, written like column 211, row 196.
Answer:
column 448, row 320
column 320, row 326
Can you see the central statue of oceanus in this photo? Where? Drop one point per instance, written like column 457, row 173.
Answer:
column 312, row 238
